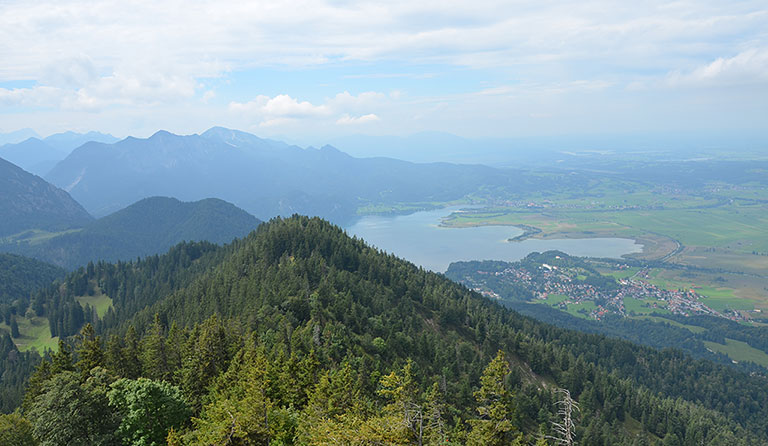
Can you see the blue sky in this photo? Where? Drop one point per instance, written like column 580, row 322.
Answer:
column 315, row 70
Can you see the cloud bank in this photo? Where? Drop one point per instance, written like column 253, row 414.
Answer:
column 485, row 66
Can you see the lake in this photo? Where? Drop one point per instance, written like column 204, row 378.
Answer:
column 418, row 238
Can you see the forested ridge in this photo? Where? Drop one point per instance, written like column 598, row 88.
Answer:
column 299, row 334
column 21, row 276
column 149, row 226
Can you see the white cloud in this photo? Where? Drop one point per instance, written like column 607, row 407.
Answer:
column 100, row 92
column 155, row 59
column 283, row 109
column 347, row 120
column 210, row 37
column 746, row 68
column 75, row 71
column 38, row 96
column 280, row 106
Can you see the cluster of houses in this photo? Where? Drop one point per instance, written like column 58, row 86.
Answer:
column 546, row 280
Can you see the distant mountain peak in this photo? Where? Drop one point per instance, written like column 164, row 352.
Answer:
column 161, row 134
column 330, row 148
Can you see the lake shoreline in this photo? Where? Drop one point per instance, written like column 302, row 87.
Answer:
column 424, row 239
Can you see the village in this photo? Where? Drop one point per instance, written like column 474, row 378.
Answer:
column 546, row 281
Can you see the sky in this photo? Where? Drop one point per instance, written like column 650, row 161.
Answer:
column 315, row 70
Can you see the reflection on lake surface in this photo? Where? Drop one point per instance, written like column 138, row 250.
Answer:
column 418, row 238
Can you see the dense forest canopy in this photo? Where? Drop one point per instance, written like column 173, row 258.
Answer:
column 20, row 276
column 299, row 334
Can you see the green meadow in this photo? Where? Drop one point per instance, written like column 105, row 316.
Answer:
column 739, row 351
column 644, row 306
column 35, row 333
column 691, row 328
column 101, row 302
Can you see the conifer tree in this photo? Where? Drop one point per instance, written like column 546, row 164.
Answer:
column 240, row 408
column 494, row 406
column 154, row 358
column 113, row 356
column 15, row 328
column 61, row 360
column 130, row 354
column 89, row 353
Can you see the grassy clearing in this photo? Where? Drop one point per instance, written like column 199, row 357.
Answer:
column 728, row 303
column 555, row 299
column 619, row 274
column 691, row 328
column 35, row 333
column 34, row 236
column 644, row 306
column 101, row 302
column 739, row 351
column 581, row 309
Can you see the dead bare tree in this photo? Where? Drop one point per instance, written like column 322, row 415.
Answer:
column 565, row 427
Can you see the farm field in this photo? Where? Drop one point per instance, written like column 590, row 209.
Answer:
column 581, row 309
column 691, row 328
column 644, row 306
column 739, row 351
column 714, row 241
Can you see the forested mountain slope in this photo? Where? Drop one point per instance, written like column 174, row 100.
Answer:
column 28, row 202
column 20, row 276
column 150, row 226
column 299, row 334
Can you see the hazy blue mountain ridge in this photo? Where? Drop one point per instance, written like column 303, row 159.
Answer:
column 29, row 202
column 17, row 136
column 264, row 177
column 39, row 156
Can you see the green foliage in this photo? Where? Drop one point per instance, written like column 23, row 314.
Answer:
column 16, row 430
column 14, row 328
column 240, row 409
column 67, row 412
column 494, row 405
column 89, row 352
column 21, row 276
column 148, row 410
column 154, row 358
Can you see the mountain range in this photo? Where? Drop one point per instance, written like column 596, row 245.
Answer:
column 264, row 177
column 38, row 156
